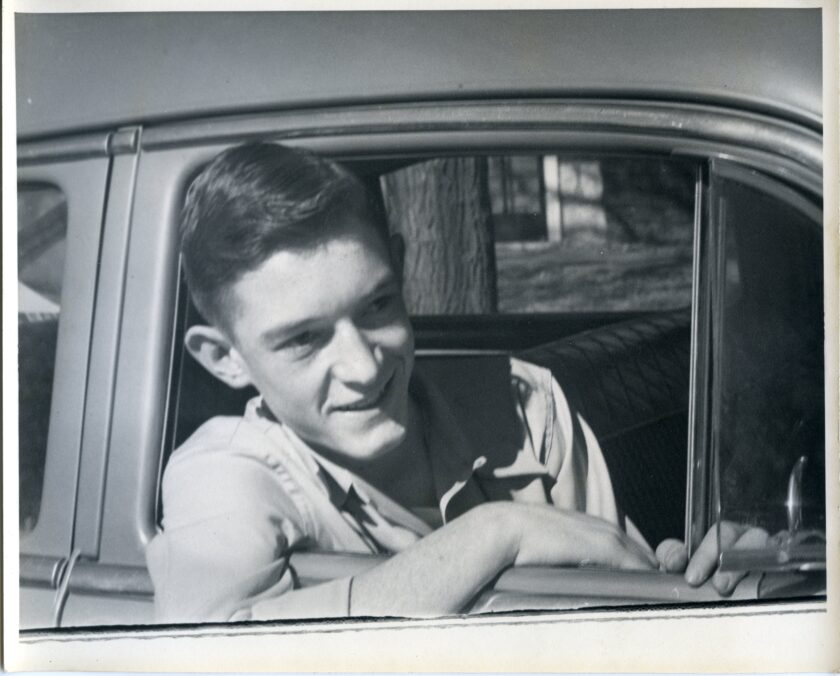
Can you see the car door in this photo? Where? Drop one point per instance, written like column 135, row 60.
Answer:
column 141, row 394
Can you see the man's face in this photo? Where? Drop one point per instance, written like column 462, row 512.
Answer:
column 325, row 337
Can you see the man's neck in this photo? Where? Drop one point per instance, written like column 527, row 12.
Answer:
column 403, row 473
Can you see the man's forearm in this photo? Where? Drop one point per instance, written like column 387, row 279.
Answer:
column 445, row 570
column 440, row 573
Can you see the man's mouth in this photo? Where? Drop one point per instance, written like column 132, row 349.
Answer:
column 371, row 401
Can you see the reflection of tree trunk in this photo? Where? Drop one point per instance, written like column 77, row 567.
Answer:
column 442, row 208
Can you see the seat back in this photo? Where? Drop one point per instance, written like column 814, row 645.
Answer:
column 630, row 382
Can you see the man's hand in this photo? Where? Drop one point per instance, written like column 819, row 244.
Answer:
column 673, row 557
column 548, row 536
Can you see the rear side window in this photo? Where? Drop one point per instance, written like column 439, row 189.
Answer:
column 541, row 234
column 42, row 239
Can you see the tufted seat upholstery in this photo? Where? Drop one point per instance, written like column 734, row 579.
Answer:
column 630, row 381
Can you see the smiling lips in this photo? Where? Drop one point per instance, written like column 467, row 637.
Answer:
column 370, row 402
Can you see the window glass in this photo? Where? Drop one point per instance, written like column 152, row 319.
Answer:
column 770, row 417
column 544, row 234
column 42, row 237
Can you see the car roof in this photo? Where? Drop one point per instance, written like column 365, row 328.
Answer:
column 87, row 71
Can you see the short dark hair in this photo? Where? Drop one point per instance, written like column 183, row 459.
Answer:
column 255, row 199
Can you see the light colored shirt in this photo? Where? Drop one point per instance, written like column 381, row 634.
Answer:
column 243, row 493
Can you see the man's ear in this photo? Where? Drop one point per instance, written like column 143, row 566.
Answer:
column 212, row 349
column 396, row 245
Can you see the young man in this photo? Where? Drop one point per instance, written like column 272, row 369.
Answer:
column 459, row 472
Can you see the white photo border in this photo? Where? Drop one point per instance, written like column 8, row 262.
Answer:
column 767, row 637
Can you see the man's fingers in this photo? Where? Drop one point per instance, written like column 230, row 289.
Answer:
column 705, row 559
column 672, row 556
column 754, row 538
column 620, row 550
column 551, row 536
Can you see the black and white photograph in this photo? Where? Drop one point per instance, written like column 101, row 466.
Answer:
column 341, row 323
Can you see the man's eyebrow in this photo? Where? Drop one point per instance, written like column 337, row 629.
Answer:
column 388, row 283
column 280, row 331
column 274, row 334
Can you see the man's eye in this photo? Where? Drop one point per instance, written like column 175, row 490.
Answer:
column 382, row 303
column 302, row 343
column 305, row 338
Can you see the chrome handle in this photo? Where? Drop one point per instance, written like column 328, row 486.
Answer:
column 794, row 496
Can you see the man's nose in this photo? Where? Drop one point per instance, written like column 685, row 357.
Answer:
column 356, row 359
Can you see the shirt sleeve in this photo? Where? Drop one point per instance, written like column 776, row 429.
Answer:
column 229, row 528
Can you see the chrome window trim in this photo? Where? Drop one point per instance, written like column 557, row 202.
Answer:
column 681, row 128
column 79, row 146
column 746, row 129
column 697, row 463
column 62, row 149
column 720, row 131
column 717, row 264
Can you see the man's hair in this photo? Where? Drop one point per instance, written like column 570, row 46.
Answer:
column 256, row 199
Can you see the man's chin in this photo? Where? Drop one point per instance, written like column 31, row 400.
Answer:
column 379, row 448
column 373, row 444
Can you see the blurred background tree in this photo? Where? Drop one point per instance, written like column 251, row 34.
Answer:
column 543, row 233
column 442, row 209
